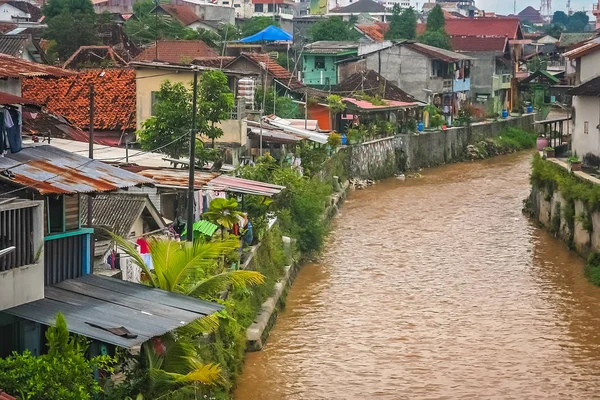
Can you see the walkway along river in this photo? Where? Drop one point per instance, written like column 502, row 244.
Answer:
column 436, row 288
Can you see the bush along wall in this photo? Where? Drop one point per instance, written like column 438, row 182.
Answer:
column 569, row 207
column 510, row 140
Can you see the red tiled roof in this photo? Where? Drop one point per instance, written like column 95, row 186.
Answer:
column 477, row 43
column 483, row 27
column 183, row 14
column 213, row 62
column 13, row 67
column 284, row 76
column 177, row 51
column 375, row 32
column 115, row 100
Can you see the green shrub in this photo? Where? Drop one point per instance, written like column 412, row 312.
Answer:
column 592, row 268
column 514, row 139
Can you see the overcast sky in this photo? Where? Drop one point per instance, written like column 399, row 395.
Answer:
column 506, row 6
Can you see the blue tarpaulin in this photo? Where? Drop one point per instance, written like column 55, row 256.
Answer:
column 269, row 34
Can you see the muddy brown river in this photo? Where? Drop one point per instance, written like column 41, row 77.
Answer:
column 436, row 288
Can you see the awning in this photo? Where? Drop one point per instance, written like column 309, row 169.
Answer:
column 246, row 186
column 272, row 136
column 287, row 126
column 112, row 303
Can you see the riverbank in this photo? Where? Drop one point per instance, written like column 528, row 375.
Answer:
column 514, row 316
column 568, row 206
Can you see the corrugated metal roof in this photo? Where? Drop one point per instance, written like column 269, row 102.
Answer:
column 6, row 98
column 366, row 105
column 275, row 136
column 177, row 177
column 239, row 185
column 112, row 303
column 584, row 49
column 13, row 67
column 48, row 169
column 119, row 211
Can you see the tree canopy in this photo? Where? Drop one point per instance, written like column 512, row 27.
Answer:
column 560, row 17
column 257, row 24
column 435, row 19
column 53, row 8
column 332, row 28
column 403, row 24
column 435, row 33
column 171, row 122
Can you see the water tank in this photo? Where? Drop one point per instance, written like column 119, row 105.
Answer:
column 246, row 88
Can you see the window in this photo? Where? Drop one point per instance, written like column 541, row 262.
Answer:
column 225, row 3
column 258, row 8
column 237, row 5
column 56, row 214
column 270, row 7
column 586, row 127
column 319, row 62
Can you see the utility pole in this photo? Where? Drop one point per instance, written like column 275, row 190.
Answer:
column 190, row 216
column 305, row 108
column 91, row 147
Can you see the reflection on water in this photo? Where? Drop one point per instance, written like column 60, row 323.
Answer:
column 436, row 288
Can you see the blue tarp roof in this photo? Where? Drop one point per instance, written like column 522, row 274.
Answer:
column 269, row 34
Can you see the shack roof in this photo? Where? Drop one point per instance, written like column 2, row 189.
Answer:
column 49, row 170
column 177, row 178
column 93, row 305
column 6, row 98
column 183, row 13
column 585, row 49
column 176, row 51
column 361, row 7
column 13, row 67
column 479, row 43
column 371, row 83
column 365, row 105
column 568, row 39
column 331, row 47
column 435, row 52
column 265, row 62
column 590, row 88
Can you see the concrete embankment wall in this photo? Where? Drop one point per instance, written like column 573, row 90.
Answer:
column 382, row 158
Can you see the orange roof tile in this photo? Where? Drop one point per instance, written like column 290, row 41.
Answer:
column 177, row 51
column 281, row 74
column 183, row 14
column 374, row 32
column 115, row 107
column 213, row 62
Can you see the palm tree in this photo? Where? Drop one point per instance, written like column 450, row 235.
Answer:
column 223, row 212
column 191, row 269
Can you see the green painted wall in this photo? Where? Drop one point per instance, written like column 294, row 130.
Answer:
column 319, row 77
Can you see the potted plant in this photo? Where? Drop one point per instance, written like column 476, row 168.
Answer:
column 574, row 163
column 549, row 152
column 542, row 143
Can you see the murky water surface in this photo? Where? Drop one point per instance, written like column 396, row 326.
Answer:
column 436, row 288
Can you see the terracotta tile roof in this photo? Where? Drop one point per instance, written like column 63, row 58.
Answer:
column 477, row 43
column 213, row 62
column 284, row 76
column 177, row 51
column 115, row 100
column 586, row 48
column 6, row 98
column 13, row 67
column 374, row 32
column 183, row 14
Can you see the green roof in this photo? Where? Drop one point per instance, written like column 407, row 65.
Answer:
column 205, row 227
column 568, row 39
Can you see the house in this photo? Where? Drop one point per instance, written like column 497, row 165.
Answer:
column 586, row 126
column 320, row 61
column 425, row 72
column 180, row 13
column 13, row 69
column 530, row 14
column 176, row 51
column 150, row 75
column 94, row 57
column 284, row 9
column 584, row 61
column 129, row 215
column 371, row 8
column 19, row 11
column 114, row 101
column 22, row 269
column 535, row 88
column 263, row 66
column 23, row 46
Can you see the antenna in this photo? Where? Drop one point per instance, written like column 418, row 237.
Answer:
column 569, row 10
column 546, row 8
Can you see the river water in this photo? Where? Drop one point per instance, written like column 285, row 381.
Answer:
column 436, row 288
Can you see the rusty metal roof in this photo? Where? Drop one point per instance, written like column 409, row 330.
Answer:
column 13, row 67
column 177, row 177
column 7, row 98
column 48, row 169
column 239, row 185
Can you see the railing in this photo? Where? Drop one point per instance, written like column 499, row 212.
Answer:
column 447, row 85
column 67, row 256
column 16, row 230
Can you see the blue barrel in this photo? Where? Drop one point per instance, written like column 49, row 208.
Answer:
column 529, row 109
column 343, row 138
column 505, row 113
column 420, row 126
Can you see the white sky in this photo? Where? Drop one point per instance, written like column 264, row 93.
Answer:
column 506, row 6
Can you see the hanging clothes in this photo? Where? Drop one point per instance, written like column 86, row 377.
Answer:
column 144, row 248
column 12, row 119
column 4, row 145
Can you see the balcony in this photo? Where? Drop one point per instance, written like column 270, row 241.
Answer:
column 67, row 255
column 21, row 269
column 501, row 81
column 461, row 85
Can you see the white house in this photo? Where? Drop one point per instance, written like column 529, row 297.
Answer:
column 586, row 100
column 19, row 11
